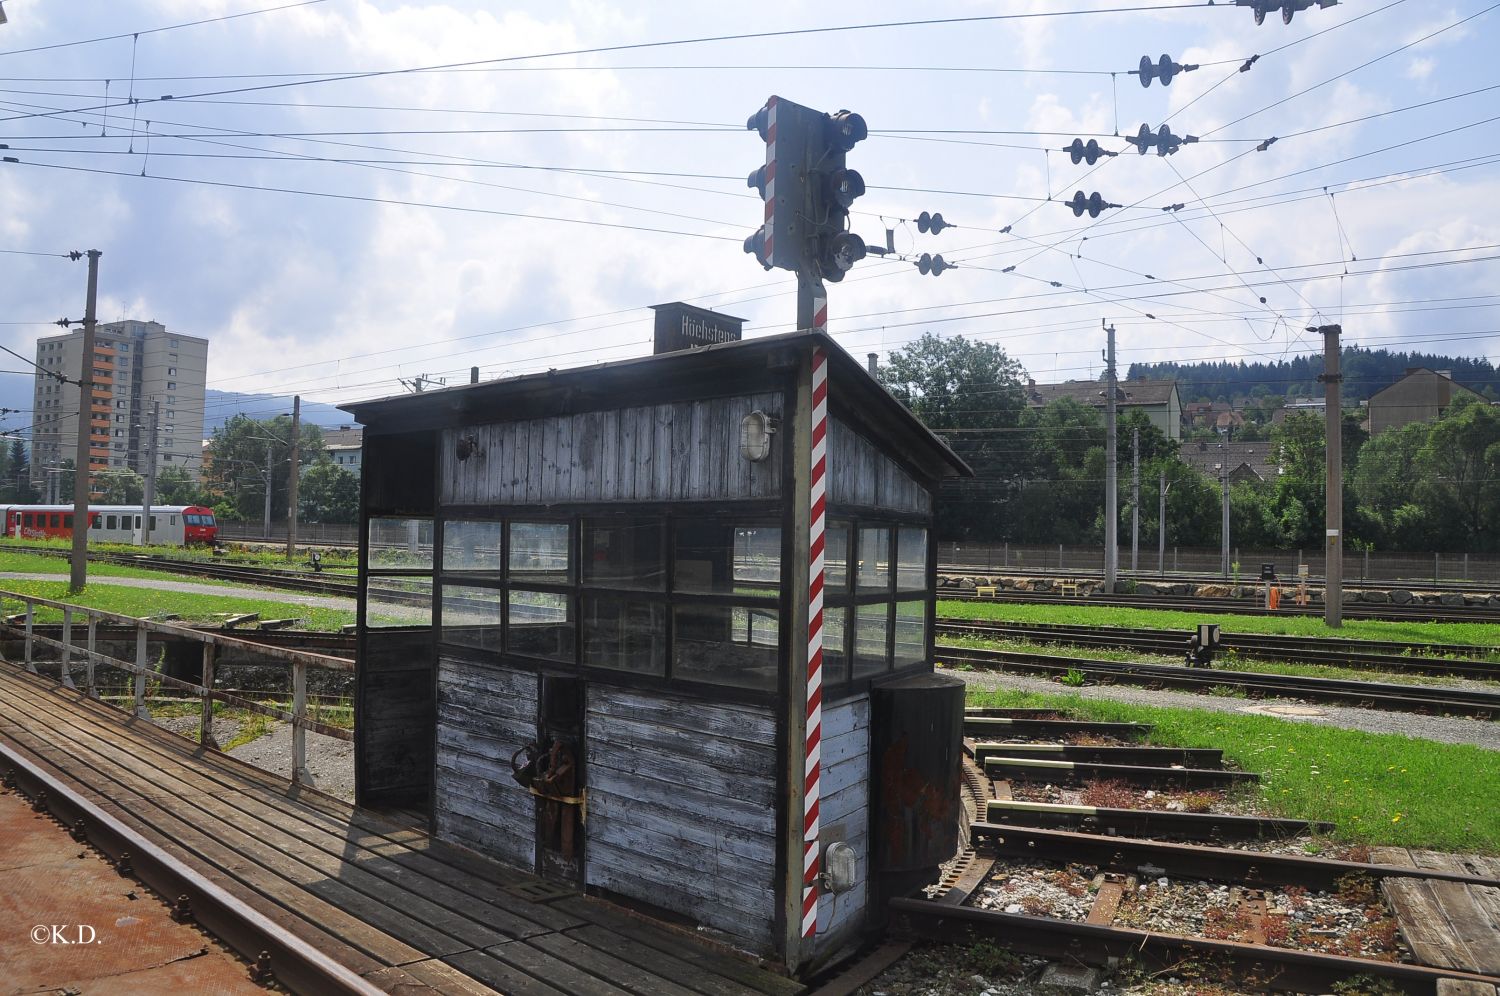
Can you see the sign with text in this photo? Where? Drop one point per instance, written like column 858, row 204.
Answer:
column 682, row 326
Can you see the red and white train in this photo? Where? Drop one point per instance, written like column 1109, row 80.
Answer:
column 173, row 525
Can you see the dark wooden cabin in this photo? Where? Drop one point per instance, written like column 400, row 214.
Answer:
column 610, row 566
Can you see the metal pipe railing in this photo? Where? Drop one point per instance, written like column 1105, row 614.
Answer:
column 140, row 669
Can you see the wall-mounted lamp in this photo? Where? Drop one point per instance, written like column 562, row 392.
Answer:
column 756, row 430
column 467, row 446
column 840, row 868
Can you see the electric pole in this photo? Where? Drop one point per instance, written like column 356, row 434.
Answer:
column 1333, row 422
column 269, row 471
column 1224, row 526
column 1111, row 498
column 150, row 496
column 1135, row 499
column 1161, row 526
column 291, row 511
column 82, row 464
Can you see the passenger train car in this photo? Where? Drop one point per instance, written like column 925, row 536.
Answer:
column 173, row 525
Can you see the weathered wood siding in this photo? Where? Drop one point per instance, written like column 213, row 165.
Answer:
column 484, row 713
column 844, row 814
column 394, row 733
column 859, row 474
column 682, row 808
column 689, row 451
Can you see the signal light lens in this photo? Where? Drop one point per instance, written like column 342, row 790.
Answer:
column 846, row 185
column 849, row 129
column 842, row 252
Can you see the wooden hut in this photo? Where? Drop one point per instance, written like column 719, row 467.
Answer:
column 602, row 638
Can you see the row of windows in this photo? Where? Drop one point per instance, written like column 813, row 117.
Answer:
column 694, row 599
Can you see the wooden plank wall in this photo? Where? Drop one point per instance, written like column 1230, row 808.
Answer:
column 859, row 474
column 844, row 814
column 689, row 451
column 682, row 808
column 394, row 731
column 485, row 712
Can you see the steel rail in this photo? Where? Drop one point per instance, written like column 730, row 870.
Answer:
column 1236, row 606
column 1369, row 694
column 1273, row 645
column 952, row 570
column 297, row 965
column 1280, row 968
column 1222, row 864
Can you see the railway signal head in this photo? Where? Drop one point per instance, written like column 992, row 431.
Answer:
column 931, row 223
column 1090, row 153
column 807, row 189
column 1093, row 204
column 934, row 265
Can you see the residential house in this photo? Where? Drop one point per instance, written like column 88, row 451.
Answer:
column 1158, row 399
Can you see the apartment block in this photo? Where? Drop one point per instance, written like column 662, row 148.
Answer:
column 135, row 364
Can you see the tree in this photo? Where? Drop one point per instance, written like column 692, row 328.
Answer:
column 1457, row 472
column 20, row 475
column 119, row 487
column 238, row 457
column 175, row 486
column 969, row 392
column 328, row 493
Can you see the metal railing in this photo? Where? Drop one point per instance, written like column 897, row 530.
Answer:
column 24, row 625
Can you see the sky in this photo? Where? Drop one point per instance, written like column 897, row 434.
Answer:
column 335, row 214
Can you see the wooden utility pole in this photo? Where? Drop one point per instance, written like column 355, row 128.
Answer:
column 1333, row 422
column 81, row 464
column 1111, row 496
column 291, row 510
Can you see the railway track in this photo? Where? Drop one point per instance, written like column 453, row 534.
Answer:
column 1251, row 945
column 1412, row 612
column 1428, row 699
column 1398, row 658
column 1200, row 578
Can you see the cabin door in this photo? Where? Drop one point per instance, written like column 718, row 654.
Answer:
column 558, row 785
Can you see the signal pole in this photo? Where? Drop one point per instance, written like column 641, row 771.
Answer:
column 1111, row 498
column 1135, row 499
column 1333, row 422
column 150, row 495
column 291, row 511
column 81, row 464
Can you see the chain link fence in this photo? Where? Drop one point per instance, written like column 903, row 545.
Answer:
column 999, row 558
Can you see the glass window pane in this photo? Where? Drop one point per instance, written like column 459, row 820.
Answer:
column 541, row 625
column 625, row 634
column 874, row 559
column 835, row 656
column 404, row 544
column 726, row 645
column 472, row 546
column 472, row 616
column 836, row 558
column 539, row 552
column 871, row 625
column 911, row 634
column 623, row 554
column 911, row 560
column 728, row 558
column 403, row 601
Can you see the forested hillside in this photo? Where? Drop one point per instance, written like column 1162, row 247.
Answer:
column 1365, row 372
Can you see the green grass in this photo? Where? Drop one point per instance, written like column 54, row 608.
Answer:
column 19, row 562
column 335, row 559
column 147, row 602
column 1477, row 634
column 1380, row 788
column 1229, row 661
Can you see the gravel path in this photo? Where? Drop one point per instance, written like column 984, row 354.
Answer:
column 193, row 588
column 330, row 761
column 1481, row 733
